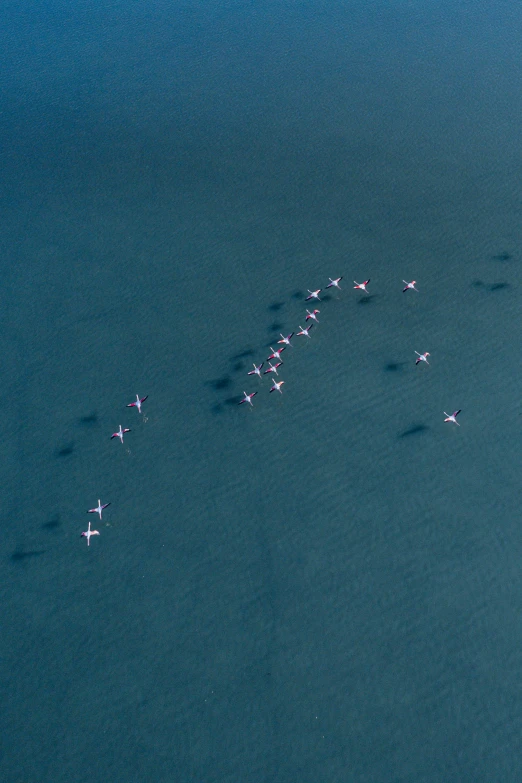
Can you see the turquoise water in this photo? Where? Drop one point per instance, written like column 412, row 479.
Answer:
column 325, row 587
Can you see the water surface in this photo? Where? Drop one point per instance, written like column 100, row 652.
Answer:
column 326, row 587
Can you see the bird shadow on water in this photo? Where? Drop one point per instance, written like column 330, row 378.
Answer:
column 504, row 256
column 276, row 327
column 23, row 555
column 242, row 354
column 64, row 451
column 53, row 523
column 238, row 363
column 234, row 400
column 394, row 366
column 490, row 286
column 229, row 402
column 89, row 420
column 415, row 429
column 225, row 382
column 366, row 300
column 275, row 307
column 220, row 383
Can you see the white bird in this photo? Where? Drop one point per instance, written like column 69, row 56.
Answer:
column 410, row 285
column 138, row 403
column 334, row 283
column 286, row 340
column 273, row 368
column 99, row 508
column 277, row 386
column 305, row 331
column 453, row 417
column 88, row 533
column 313, row 294
column 256, row 370
column 120, row 433
column 422, row 357
column 276, row 354
column 362, row 286
column 312, row 315
column 248, row 398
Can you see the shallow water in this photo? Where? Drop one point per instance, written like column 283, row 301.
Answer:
column 327, row 586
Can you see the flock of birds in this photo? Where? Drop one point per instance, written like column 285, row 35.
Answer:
column 285, row 342
column 312, row 317
column 99, row 508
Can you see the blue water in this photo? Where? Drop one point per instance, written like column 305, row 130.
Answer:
column 326, row 587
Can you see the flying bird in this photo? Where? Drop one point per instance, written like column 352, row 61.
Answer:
column 120, row 433
column 276, row 354
column 286, row 340
column 88, row 533
column 273, row 368
column 304, row 332
column 138, row 403
column 256, row 370
column 453, row 417
column 99, row 508
column 248, row 398
column 334, row 283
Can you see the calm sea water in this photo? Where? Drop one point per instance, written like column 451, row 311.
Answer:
column 326, row 587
